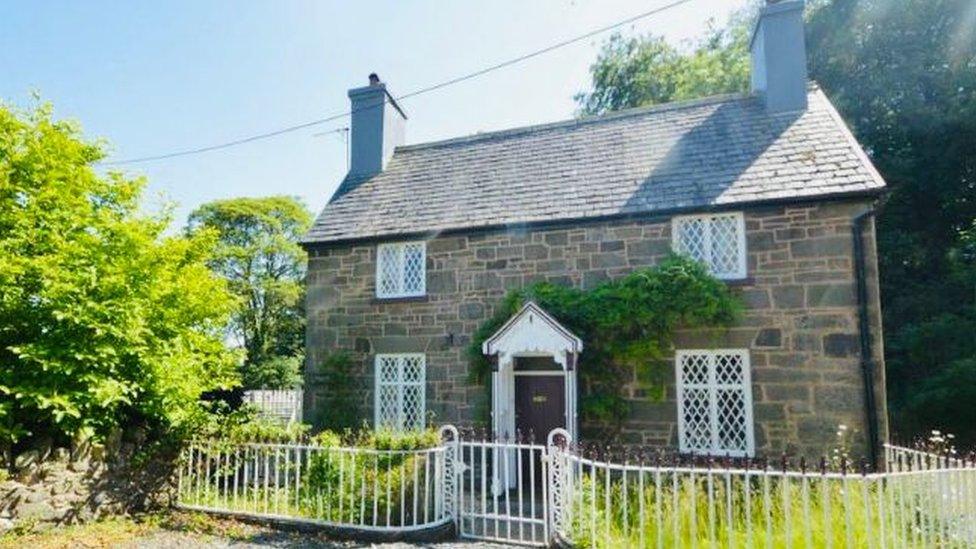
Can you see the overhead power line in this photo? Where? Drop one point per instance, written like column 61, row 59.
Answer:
column 415, row 93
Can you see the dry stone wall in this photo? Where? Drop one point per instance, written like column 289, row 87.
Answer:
column 50, row 488
column 800, row 325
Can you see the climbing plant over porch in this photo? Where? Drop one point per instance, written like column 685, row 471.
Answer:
column 627, row 325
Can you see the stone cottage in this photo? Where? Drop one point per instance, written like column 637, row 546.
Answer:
column 768, row 189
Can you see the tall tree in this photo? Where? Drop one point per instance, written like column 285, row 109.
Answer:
column 647, row 70
column 903, row 75
column 259, row 255
column 104, row 320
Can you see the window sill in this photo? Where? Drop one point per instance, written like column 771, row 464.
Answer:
column 410, row 299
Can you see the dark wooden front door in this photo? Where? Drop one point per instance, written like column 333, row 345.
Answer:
column 540, row 404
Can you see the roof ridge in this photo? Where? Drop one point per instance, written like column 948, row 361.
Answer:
column 585, row 121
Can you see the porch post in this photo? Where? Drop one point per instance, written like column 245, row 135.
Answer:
column 494, row 402
column 570, row 384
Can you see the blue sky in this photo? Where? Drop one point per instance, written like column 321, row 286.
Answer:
column 154, row 77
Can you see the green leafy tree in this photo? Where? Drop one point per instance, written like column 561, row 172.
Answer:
column 259, row 255
column 647, row 70
column 276, row 372
column 104, row 320
column 903, row 75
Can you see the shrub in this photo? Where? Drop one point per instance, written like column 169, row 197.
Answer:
column 388, row 439
column 327, row 439
column 339, row 407
column 107, row 319
column 248, row 424
column 327, row 481
column 279, row 372
column 367, row 486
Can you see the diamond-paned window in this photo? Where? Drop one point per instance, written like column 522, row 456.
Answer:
column 717, row 240
column 401, row 269
column 400, row 391
column 714, row 402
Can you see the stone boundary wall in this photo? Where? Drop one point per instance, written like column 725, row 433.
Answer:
column 800, row 325
column 58, row 487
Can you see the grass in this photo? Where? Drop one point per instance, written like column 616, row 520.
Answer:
column 729, row 511
column 117, row 531
column 357, row 506
column 670, row 508
column 350, row 489
column 106, row 533
column 683, row 510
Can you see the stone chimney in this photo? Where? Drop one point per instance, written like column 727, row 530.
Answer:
column 778, row 51
column 378, row 125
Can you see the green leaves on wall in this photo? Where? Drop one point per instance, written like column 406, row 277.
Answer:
column 627, row 327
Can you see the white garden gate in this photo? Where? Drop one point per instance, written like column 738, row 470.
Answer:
column 503, row 491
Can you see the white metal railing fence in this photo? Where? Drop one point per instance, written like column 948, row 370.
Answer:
column 921, row 501
column 898, row 458
column 502, row 490
column 285, row 404
column 523, row 492
column 942, row 491
column 359, row 488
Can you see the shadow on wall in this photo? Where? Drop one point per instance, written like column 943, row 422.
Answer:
column 55, row 487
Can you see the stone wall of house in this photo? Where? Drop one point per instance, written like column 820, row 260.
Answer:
column 56, row 487
column 800, row 325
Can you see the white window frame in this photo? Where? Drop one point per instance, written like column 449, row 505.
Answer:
column 741, row 268
column 400, row 248
column 713, row 387
column 399, row 384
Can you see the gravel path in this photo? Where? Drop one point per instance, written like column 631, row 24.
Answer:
column 181, row 530
column 183, row 540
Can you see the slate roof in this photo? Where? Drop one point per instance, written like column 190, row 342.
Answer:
column 697, row 155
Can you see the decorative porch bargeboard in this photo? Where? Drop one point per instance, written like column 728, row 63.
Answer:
column 531, row 333
column 557, row 492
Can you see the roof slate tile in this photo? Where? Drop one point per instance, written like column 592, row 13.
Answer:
column 715, row 152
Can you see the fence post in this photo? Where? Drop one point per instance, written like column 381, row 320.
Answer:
column 452, row 469
column 559, row 480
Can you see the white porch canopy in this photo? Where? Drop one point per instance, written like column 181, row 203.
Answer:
column 532, row 332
